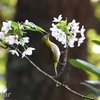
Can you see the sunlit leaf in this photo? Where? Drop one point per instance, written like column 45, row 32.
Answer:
column 93, row 81
column 40, row 29
column 96, row 42
column 14, row 25
column 85, row 66
column 31, row 26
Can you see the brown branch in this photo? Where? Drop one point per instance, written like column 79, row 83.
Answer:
column 50, row 77
column 54, row 80
column 57, row 82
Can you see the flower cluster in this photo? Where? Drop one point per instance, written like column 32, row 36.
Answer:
column 71, row 31
column 12, row 33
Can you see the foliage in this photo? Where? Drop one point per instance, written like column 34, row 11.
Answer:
column 90, row 68
column 7, row 8
column 85, row 66
column 92, row 48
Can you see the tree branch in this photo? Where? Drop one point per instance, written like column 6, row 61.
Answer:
column 50, row 77
column 57, row 82
column 54, row 80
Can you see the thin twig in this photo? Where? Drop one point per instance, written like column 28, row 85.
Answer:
column 50, row 77
column 57, row 82
column 66, row 79
column 54, row 80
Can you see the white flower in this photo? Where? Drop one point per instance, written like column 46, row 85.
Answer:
column 71, row 31
column 82, row 31
column 11, row 39
column 6, row 27
column 73, row 23
column 57, row 19
column 54, row 27
column 71, row 41
column 24, row 40
column 55, row 30
column 28, row 51
column 58, row 34
column 1, row 35
column 73, row 27
column 14, row 52
column 80, row 41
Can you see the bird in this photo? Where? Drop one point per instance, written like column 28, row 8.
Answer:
column 53, row 50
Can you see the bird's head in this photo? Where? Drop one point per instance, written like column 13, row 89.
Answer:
column 45, row 38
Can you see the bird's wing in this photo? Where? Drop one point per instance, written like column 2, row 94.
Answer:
column 55, row 51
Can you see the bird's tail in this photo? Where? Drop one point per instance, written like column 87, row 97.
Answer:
column 56, row 71
column 55, row 66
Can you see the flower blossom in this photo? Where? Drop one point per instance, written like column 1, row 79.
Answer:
column 6, row 27
column 73, row 27
column 57, row 19
column 82, row 31
column 74, row 31
column 58, row 34
column 28, row 51
column 71, row 41
column 14, row 52
column 1, row 35
column 24, row 40
column 81, row 39
column 12, row 39
column 71, row 31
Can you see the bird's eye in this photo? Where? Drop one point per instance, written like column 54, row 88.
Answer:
column 46, row 36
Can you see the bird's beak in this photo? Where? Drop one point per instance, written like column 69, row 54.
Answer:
column 48, row 34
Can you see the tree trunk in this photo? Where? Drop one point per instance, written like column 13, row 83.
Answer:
column 24, row 82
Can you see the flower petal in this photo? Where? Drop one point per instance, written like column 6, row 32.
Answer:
column 14, row 52
column 28, row 51
column 57, row 19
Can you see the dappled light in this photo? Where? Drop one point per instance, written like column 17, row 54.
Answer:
column 94, row 0
column 96, row 48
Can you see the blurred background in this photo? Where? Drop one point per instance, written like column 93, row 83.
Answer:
column 22, row 80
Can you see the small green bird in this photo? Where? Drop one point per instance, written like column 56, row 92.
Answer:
column 53, row 50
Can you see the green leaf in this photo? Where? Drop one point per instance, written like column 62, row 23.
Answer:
column 31, row 26
column 97, row 91
column 85, row 66
column 93, row 81
column 14, row 25
column 40, row 29
column 96, row 42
